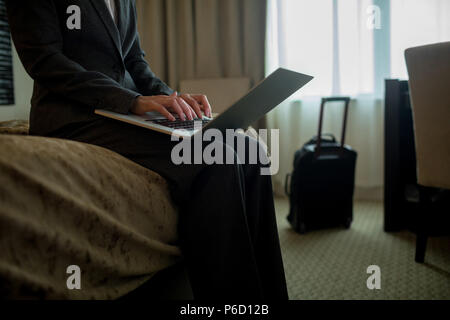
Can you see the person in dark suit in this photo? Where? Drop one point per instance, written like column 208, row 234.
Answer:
column 85, row 55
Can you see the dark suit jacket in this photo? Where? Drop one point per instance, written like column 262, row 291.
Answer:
column 77, row 71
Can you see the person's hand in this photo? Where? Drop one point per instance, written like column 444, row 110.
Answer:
column 199, row 103
column 165, row 105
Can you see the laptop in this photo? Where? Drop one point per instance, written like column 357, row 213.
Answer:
column 268, row 94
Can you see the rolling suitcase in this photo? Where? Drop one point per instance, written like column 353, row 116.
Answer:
column 321, row 187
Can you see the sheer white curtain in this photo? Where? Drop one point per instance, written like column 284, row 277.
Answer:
column 350, row 47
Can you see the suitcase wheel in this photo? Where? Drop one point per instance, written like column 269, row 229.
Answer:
column 302, row 228
column 348, row 223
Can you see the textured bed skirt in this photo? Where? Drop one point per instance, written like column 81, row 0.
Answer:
column 64, row 204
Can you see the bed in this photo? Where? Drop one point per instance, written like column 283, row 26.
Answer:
column 65, row 203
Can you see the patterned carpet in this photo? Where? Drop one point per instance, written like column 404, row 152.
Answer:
column 332, row 264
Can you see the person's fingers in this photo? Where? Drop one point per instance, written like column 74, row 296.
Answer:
column 205, row 103
column 162, row 110
column 187, row 108
column 178, row 107
column 175, row 106
column 194, row 104
column 165, row 104
column 194, row 114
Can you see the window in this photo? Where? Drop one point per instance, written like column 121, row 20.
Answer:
column 336, row 41
column 6, row 71
column 325, row 38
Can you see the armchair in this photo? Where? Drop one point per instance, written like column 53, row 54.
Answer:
column 429, row 80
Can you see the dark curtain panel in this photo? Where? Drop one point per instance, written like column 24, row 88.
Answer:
column 6, row 72
column 203, row 39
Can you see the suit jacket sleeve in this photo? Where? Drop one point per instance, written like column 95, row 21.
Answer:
column 35, row 29
column 145, row 80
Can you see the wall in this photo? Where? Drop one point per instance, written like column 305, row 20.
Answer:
column 23, row 88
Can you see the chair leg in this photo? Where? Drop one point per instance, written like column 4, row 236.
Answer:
column 422, row 223
column 421, row 246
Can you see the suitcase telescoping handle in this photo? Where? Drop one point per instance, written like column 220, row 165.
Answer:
column 287, row 184
column 344, row 125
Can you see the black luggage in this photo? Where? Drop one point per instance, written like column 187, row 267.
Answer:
column 322, row 183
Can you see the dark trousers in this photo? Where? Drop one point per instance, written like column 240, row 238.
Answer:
column 227, row 228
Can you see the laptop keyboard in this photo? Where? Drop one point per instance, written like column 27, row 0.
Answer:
column 180, row 125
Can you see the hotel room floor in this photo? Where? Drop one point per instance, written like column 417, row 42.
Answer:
column 332, row 264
